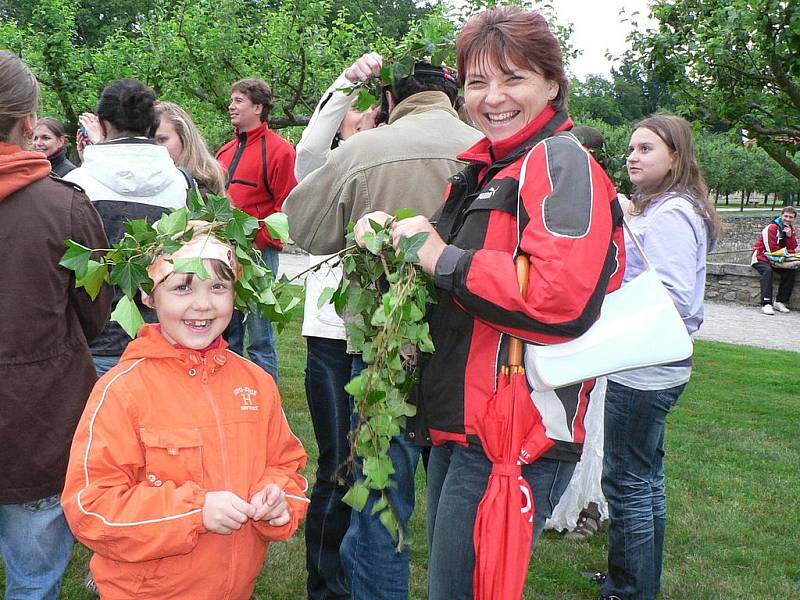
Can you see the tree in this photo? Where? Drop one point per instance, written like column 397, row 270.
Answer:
column 594, row 98
column 190, row 51
column 732, row 63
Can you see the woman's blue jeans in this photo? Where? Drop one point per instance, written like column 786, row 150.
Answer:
column 328, row 370
column 457, row 480
column 377, row 571
column 36, row 545
column 633, row 483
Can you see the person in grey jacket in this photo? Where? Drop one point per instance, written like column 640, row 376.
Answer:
column 405, row 164
column 328, row 364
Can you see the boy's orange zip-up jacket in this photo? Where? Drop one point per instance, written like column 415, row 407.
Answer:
column 160, row 430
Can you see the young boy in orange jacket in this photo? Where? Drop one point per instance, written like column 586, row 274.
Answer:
column 183, row 467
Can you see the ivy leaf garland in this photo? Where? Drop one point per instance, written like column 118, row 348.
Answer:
column 386, row 295
column 125, row 263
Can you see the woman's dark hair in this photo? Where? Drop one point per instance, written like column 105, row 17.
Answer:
column 128, row 105
column 510, row 34
column 425, row 78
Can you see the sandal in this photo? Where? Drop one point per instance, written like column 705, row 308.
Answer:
column 588, row 524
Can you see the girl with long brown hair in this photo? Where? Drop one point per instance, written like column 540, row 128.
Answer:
column 676, row 224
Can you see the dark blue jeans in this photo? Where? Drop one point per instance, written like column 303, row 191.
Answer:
column 369, row 553
column 457, row 480
column 633, row 483
column 328, row 369
column 261, row 347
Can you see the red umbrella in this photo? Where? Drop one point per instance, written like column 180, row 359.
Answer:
column 512, row 434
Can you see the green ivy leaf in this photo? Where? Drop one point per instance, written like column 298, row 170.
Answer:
column 357, row 496
column 129, row 275
column 390, row 522
column 404, row 213
column 194, row 201
column 355, row 387
column 380, row 504
column 96, row 274
column 173, row 223
column 278, row 226
column 377, row 470
column 191, row 265
column 241, row 227
column 128, row 316
column 218, row 208
column 411, row 245
column 76, row 258
column 325, row 297
column 365, row 100
column 140, row 229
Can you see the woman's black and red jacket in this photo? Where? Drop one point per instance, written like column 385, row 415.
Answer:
column 569, row 225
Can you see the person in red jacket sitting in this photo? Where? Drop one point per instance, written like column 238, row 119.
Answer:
column 778, row 235
column 260, row 174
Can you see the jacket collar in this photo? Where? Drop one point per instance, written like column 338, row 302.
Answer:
column 150, row 343
column 548, row 122
column 420, row 103
column 247, row 136
column 19, row 168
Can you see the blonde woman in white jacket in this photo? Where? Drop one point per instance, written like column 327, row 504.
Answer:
column 328, row 366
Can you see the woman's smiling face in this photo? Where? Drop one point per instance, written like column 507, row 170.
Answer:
column 503, row 102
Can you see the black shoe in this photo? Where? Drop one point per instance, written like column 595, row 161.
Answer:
column 611, row 597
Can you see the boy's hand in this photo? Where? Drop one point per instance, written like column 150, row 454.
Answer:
column 224, row 512
column 271, row 506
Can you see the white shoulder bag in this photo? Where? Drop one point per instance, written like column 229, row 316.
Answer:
column 638, row 326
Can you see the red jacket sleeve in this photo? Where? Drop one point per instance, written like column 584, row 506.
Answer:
column 285, row 458
column 106, row 505
column 574, row 245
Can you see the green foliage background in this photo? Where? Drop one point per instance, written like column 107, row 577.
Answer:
column 730, row 66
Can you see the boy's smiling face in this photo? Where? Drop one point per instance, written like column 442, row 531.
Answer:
column 193, row 312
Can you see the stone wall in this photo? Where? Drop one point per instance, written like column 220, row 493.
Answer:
column 736, row 243
column 729, row 277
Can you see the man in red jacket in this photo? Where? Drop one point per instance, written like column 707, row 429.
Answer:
column 260, row 174
column 778, row 235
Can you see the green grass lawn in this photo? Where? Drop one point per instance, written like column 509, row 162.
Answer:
column 733, row 474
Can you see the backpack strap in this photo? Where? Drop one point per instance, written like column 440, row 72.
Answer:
column 187, row 175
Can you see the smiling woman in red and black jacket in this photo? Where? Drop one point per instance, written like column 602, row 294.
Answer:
column 530, row 188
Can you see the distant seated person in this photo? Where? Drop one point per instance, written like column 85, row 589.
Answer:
column 50, row 137
column 776, row 249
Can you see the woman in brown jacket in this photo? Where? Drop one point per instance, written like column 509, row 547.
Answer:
column 46, row 371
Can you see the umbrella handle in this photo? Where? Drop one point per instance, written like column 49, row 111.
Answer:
column 515, row 345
